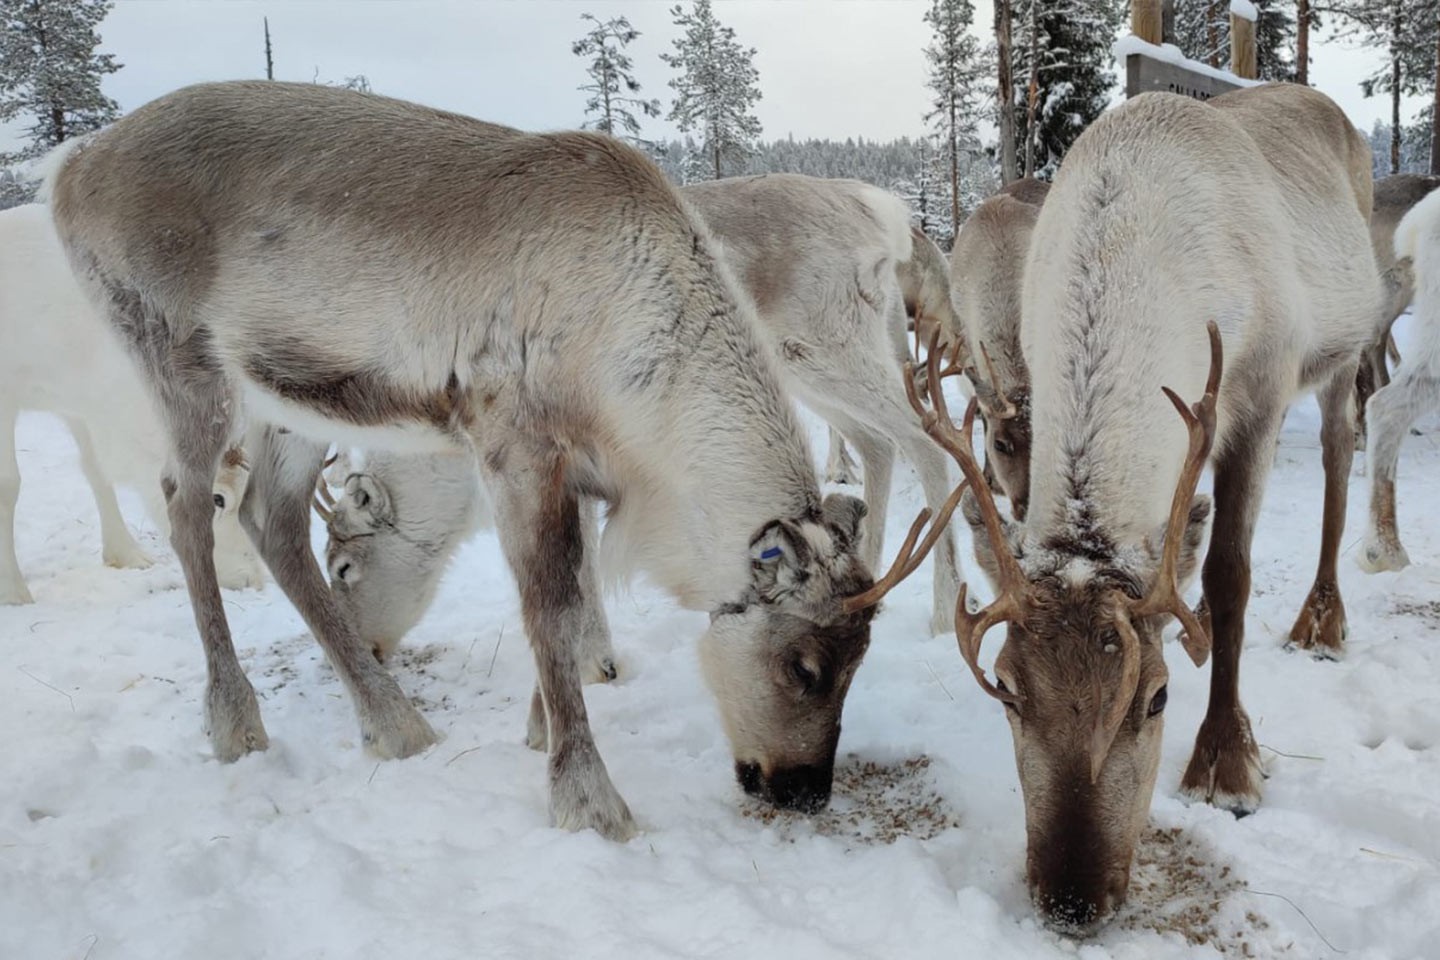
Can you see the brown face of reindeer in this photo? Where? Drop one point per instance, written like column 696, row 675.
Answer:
column 780, row 662
column 1007, row 444
column 1086, row 735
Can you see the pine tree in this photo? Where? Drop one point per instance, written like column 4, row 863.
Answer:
column 49, row 70
column 955, row 78
column 612, row 85
column 1202, row 32
column 1406, row 30
column 1068, row 42
column 717, row 86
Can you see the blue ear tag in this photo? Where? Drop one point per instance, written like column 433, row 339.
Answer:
column 771, row 554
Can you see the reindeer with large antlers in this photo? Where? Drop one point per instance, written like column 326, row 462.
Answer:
column 1139, row 256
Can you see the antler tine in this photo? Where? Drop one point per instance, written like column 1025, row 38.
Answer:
column 970, row 630
column 910, row 556
column 326, row 515
column 1008, row 411
column 1164, row 595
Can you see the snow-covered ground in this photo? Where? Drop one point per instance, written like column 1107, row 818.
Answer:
column 121, row 838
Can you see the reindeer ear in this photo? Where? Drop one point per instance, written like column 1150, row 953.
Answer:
column 780, row 560
column 980, row 536
column 843, row 514
column 368, row 499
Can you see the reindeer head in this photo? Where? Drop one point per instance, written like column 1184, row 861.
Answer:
column 1081, row 672
column 1007, row 433
column 393, row 530
column 780, row 660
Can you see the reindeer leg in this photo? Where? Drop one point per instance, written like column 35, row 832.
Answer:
column 542, row 534
column 196, row 403
column 276, row 514
column 1225, row 768
column 1365, row 385
column 839, row 468
column 1321, row 626
column 118, row 547
column 12, row 584
column 1415, row 390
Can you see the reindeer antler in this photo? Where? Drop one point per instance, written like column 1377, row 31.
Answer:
column 1164, row 594
column 324, row 501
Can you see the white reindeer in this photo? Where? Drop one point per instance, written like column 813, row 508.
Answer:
column 1414, row 390
column 58, row 355
column 319, row 264
column 1246, row 215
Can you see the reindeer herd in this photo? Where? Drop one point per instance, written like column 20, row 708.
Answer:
column 520, row 330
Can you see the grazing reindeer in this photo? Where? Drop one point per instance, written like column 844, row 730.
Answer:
column 820, row 259
column 987, row 266
column 1153, row 233
column 1394, row 197
column 323, row 264
column 1415, row 389
column 924, row 280
column 57, row 355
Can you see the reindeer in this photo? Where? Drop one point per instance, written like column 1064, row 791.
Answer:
column 1149, row 244
column 314, row 264
column 821, row 259
column 1394, row 197
column 58, row 356
column 924, row 280
column 987, row 267
column 1415, row 389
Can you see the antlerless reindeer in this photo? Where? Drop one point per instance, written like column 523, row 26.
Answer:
column 317, row 264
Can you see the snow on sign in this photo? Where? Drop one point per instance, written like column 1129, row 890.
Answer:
column 1163, row 67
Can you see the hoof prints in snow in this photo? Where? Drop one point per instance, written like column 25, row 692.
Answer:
column 1177, row 887
column 872, row 803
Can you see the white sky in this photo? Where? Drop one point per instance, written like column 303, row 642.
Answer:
column 828, row 68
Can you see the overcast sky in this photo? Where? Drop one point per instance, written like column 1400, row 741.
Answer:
column 828, row 68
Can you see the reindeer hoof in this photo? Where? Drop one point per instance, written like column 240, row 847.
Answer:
column 1321, row 627
column 1379, row 554
column 232, row 719
column 600, row 669
column 582, row 796
column 15, row 594
column 128, row 557
column 1225, row 769
column 392, row 728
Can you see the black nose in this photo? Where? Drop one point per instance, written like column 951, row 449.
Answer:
column 1073, row 912
column 749, row 776
column 806, row 789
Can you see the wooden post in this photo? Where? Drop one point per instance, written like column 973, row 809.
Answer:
column 1242, row 46
column 1146, row 21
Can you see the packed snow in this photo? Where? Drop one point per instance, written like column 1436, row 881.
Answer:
column 120, row 837
column 1244, row 9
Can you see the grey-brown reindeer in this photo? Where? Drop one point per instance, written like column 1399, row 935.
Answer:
column 1244, row 216
column 312, row 264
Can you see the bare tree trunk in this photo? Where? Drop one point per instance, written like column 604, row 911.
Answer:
column 269, row 61
column 1006, row 93
column 717, row 161
column 1212, row 33
column 1302, row 42
column 1435, row 110
column 1395, row 24
column 954, row 172
column 1033, row 92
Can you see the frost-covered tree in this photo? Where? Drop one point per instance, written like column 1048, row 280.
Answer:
column 1415, row 139
column 15, row 189
column 955, row 76
column 716, row 88
column 612, row 86
column 1406, row 30
column 1202, row 32
column 1063, row 74
column 49, row 70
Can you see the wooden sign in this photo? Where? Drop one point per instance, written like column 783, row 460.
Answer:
column 1144, row 74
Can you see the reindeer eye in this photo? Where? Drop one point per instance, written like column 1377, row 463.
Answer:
column 219, row 499
column 1004, row 447
column 1157, row 702
column 804, row 676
